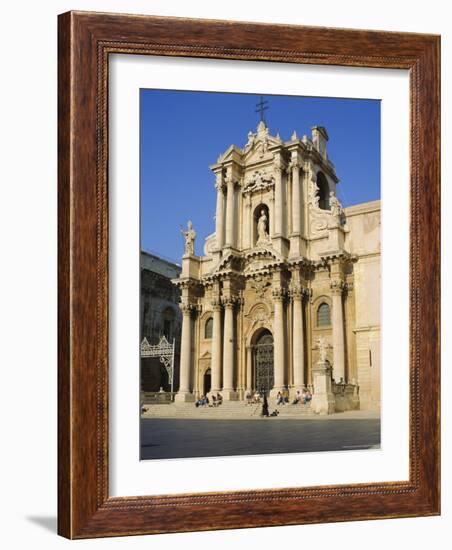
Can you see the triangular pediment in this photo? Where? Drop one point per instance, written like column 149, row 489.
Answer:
column 259, row 153
column 231, row 152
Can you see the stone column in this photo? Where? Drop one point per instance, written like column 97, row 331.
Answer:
column 248, row 224
column 296, row 197
column 230, row 204
column 337, row 287
column 217, row 348
column 298, row 338
column 219, row 218
column 184, row 394
column 279, row 199
column 278, row 342
column 228, row 351
column 249, row 368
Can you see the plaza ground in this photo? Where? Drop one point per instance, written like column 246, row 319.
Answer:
column 182, row 438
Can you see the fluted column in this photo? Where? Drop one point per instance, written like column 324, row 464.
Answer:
column 298, row 338
column 278, row 341
column 228, row 350
column 337, row 287
column 219, row 217
column 184, row 393
column 230, row 203
column 217, row 348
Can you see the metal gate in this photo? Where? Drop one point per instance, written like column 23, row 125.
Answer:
column 165, row 351
column 263, row 364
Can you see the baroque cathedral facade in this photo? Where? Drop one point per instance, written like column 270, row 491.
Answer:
column 287, row 267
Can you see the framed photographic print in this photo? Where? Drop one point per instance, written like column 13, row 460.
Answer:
column 248, row 275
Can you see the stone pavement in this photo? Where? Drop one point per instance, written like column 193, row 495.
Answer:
column 182, row 438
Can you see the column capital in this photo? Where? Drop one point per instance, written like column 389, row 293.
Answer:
column 216, row 303
column 298, row 292
column 294, row 163
column 228, row 302
column 219, row 179
column 278, row 166
column 187, row 308
column 337, row 286
column 231, row 181
column 279, row 293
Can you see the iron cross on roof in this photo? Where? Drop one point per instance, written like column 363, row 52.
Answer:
column 261, row 107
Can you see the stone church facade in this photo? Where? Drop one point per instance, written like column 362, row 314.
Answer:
column 286, row 268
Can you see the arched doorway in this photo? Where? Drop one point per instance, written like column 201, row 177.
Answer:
column 207, row 382
column 263, row 362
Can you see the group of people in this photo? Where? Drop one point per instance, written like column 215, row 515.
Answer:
column 253, row 398
column 282, row 397
column 302, row 397
column 204, row 401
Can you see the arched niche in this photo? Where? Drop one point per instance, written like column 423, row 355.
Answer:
column 261, row 216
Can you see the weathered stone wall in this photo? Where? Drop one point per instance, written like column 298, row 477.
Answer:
column 160, row 315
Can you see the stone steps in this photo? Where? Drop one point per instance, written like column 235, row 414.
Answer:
column 229, row 409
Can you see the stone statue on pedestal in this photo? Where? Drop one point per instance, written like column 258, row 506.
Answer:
column 189, row 236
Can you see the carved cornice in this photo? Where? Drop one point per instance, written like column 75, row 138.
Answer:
column 186, row 283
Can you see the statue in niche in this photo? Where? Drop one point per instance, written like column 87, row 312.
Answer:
column 189, row 236
column 262, row 231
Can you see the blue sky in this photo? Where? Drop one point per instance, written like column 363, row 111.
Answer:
column 183, row 133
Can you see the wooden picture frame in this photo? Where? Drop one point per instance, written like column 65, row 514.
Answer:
column 86, row 40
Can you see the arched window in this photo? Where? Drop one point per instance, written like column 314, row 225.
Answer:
column 208, row 329
column 323, row 315
column 324, row 191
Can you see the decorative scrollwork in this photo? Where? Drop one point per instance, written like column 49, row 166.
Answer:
column 164, row 351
